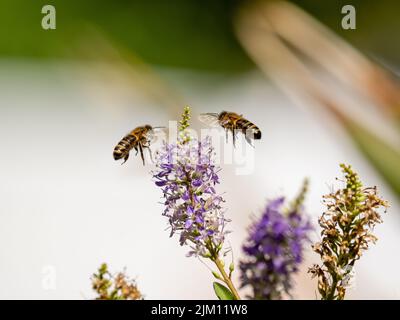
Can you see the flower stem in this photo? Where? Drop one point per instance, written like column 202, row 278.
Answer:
column 214, row 256
column 226, row 278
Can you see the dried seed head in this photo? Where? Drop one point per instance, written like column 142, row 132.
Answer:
column 347, row 225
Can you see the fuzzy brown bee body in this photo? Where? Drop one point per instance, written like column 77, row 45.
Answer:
column 233, row 122
column 137, row 139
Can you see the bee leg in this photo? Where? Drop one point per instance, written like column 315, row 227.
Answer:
column 248, row 139
column 125, row 158
column 141, row 152
column 136, row 149
column 146, row 144
column 151, row 155
column 234, row 137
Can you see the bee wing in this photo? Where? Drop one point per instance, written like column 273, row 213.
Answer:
column 210, row 119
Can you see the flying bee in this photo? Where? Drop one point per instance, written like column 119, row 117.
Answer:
column 232, row 122
column 138, row 139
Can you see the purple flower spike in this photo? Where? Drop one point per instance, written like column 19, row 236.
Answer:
column 186, row 174
column 274, row 250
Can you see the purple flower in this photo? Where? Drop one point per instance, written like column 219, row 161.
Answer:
column 274, row 250
column 186, row 174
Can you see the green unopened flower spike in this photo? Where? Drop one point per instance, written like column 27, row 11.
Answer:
column 347, row 225
column 296, row 204
column 184, row 124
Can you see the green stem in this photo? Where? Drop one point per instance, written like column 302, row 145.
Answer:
column 214, row 256
column 226, row 278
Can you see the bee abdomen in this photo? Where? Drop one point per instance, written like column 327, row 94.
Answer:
column 257, row 134
column 245, row 125
column 124, row 146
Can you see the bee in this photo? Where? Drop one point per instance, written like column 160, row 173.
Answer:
column 138, row 139
column 232, row 122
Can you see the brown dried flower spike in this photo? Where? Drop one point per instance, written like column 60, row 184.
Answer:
column 347, row 226
column 109, row 287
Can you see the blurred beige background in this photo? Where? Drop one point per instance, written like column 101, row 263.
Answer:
column 65, row 203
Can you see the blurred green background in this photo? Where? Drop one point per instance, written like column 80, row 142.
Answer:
column 179, row 33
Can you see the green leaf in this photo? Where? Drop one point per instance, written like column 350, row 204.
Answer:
column 222, row 292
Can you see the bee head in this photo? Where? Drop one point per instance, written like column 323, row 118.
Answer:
column 148, row 127
column 222, row 115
